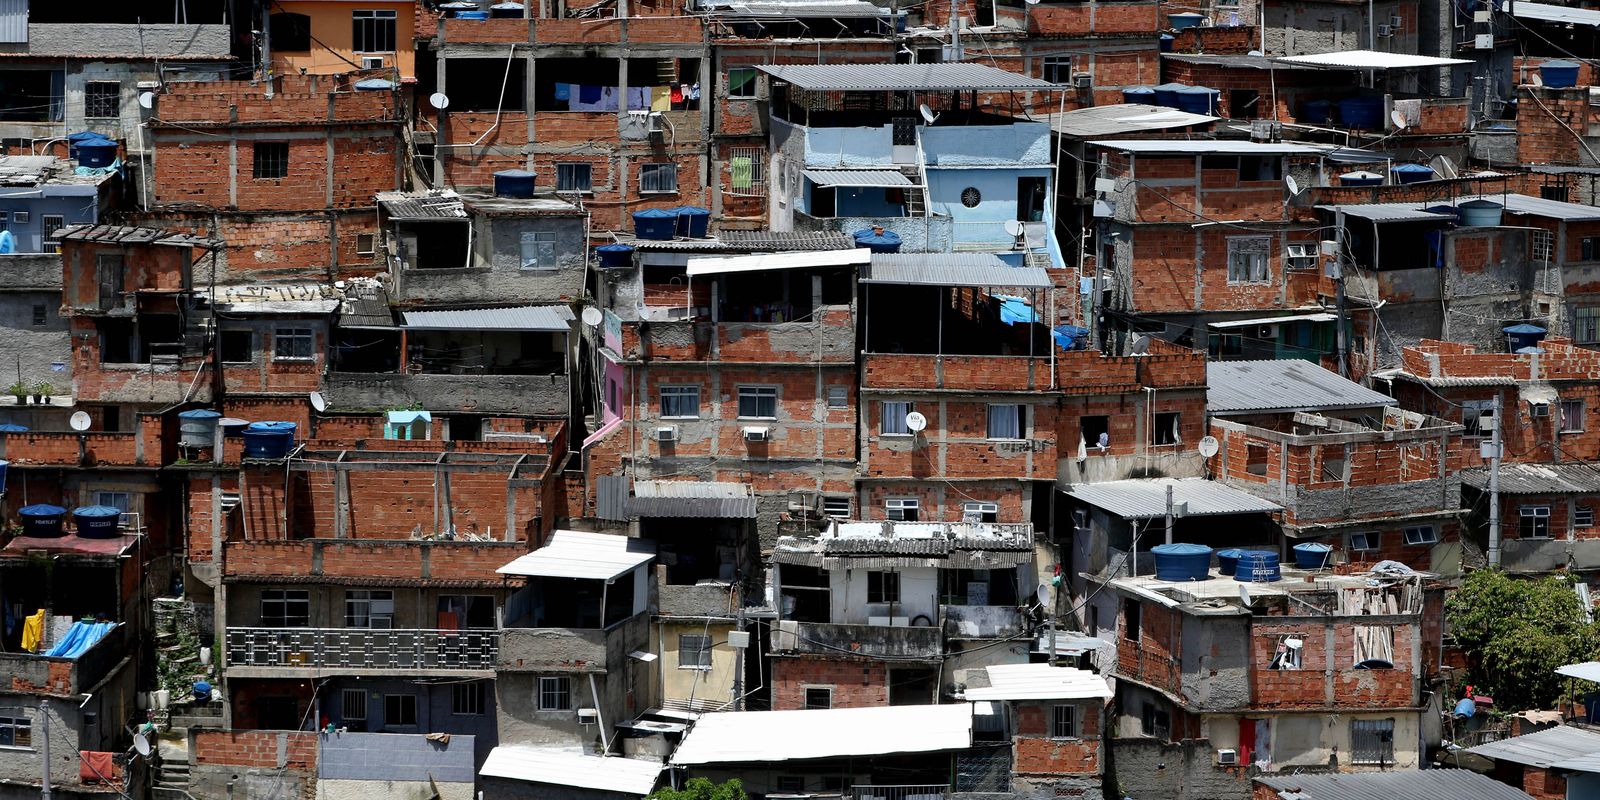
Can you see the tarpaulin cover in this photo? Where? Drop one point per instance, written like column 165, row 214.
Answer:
column 80, row 637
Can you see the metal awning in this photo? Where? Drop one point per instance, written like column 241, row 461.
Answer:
column 1564, row 15
column 590, row 556
column 559, row 767
column 516, row 318
column 782, row 736
column 1371, row 59
column 1388, row 212
column 858, row 177
column 1120, row 119
column 712, row 265
column 1039, row 682
column 706, row 499
column 1245, row 323
column 1586, row 671
column 953, row 269
column 954, row 76
column 1146, row 498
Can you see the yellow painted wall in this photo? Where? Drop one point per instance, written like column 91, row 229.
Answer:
column 715, row 685
column 332, row 45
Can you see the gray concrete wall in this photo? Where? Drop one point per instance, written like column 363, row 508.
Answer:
column 623, row 685
column 496, row 275
column 144, row 41
column 1146, row 767
column 543, row 395
column 32, row 348
column 1216, row 660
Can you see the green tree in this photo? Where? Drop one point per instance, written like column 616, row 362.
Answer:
column 703, row 789
column 1516, row 632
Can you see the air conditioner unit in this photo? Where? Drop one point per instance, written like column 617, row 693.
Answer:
column 588, row 716
column 372, row 62
column 804, row 501
column 1228, row 757
column 1267, row 332
column 655, row 123
column 1539, row 409
column 1266, row 130
column 757, row 434
column 380, row 623
column 1082, row 80
column 666, row 434
column 1385, row 31
column 1395, row 22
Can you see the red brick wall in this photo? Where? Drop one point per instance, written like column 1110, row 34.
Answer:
column 1327, row 649
column 1155, row 657
column 1038, row 754
column 856, row 683
column 255, row 749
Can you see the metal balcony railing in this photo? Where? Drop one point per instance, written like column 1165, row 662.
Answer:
column 359, row 648
column 936, row 791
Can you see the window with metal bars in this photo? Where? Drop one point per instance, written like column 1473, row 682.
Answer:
column 102, row 99
column 1541, row 247
column 1372, row 741
column 48, row 225
column 747, row 172
column 269, row 160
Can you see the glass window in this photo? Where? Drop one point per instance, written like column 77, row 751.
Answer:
column 269, row 159
column 901, row 509
column 1586, row 324
column 1477, row 416
column 1301, row 255
column 1364, row 540
column 40, row 314
column 742, row 83
column 1155, row 721
column 980, row 512
column 819, row 697
column 1064, row 722
column 373, row 31
column 574, row 177
column 658, row 178
column 102, row 99
column 467, row 698
column 1583, row 517
column 1372, row 741
column 1247, row 259
column 285, row 608
column 292, row 343
column 838, row 397
column 1535, row 522
column 893, row 422
column 1166, row 428
column 1057, row 69
column 353, row 705
column 16, row 730
column 1007, row 421
column 883, row 587
column 555, row 693
column 1589, row 248
column 758, row 402
column 399, row 710
column 680, row 402
column 1421, row 534
column 369, row 608
column 694, row 651
column 1571, row 416
column 836, row 507
column 365, row 244
column 539, row 250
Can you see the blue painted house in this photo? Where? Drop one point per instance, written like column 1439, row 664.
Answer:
column 43, row 194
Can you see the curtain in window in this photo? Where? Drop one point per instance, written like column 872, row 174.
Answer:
column 1005, row 422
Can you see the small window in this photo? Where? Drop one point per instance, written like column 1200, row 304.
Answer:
column 1421, row 534
column 901, row 509
column 1477, row 416
column 658, row 178
column 758, row 402
column 1064, row 722
column 270, row 160
column 980, row 512
column 1372, row 741
column 818, row 697
column 365, row 244
column 1256, row 459
column 1541, row 246
column 1132, row 617
column 1007, row 421
column 1247, row 259
column 892, row 420
column 238, row 347
column 883, row 587
column 836, row 507
column 1057, row 69
column 1364, row 540
column 291, row 33
column 1583, row 517
column 1155, row 721
column 292, row 344
column 1095, row 431
column 373, row 30
column 1586, row 324
column 1289, row 653
column 102, row 99
column 399, row 711
column 1589, row 248
column 575, row 177
column 368, row 608
column 555, row 693
column 539, row 250
column 1301, row 255
column 694, row 651
column 838, row 398
column 1166, row 430
column 40, row 314
column 467, row 699
column 285, row 608
column 1333, row 463
column 353, row 705
column 742, row 83
column 21, row 217
column 49, row 225
column 1571, row 416
column 16, row 730
column 747, row 172
column 1535, row 522
column 680, row 402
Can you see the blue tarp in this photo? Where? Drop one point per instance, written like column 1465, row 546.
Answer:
column 1015, row 309
column 80, row 637
column 1070, row 337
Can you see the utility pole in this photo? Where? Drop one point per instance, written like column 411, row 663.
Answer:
column 44, row 749
column 1494, row 486
column 1343, row 322
column 1169, row 513
column 955, row 33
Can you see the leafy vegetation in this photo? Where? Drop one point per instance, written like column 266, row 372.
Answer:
column 1515, row 633
column 703, row 789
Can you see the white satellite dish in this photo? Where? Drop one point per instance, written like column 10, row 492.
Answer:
column 439, row 100
column 1013, row 227
column 1033, row 2
column 147, row 99
column 592, row 316
column 915, row 422
column 319, row 402
column 1398, row 119
column 1209, row 446
column 1244, row 594
column 927, row 114
column 1043, row 593
column 1141, row 346
column 141, row 744
column 80, row 421
column 1291, row 184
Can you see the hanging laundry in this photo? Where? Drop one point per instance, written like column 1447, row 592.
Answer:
column 694, row 92
column 33, row 631
column 677, row 93
column 563, row 91
column 741, row 167
column 638, row 98
column 589, row 94
column 610, row 98
column 660, row 98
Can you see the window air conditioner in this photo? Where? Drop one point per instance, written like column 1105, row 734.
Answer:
column 666, row 434
column 756, row 434
column 372, row 62
column 1082, row 80
column 588, row 716
column 1227, row 758
column 1385, row 31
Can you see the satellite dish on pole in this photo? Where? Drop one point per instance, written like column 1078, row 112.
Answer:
column 439, row 100
column 927, row 114
column 80, row 421
column 1209, row 446
column 1043, row 593
column 141, row 743
column 1141, row 346
column 319, row 402
column 1291, row 184
column 592, row 316
column 147, row 99
column 915, row 422
column 1398, row 119
column 1013, row 227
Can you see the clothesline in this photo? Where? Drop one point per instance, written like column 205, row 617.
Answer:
column 588, row 97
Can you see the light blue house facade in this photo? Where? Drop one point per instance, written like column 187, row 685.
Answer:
column 42, row 194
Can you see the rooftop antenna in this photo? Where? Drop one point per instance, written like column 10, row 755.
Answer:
column 319, row 402
column 592, row 316
column 1292, row 185
column 80, row 421
column 1398, row 119
column 1141, row 346
column 927, row 114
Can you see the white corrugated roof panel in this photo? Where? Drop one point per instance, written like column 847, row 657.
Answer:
column 953, row 269
column 803, row 259
column 576, row 554
column 1542, row 748
column 954, row 76
column 571, row 768
column 1244, row 323
column 1540, row 207
column 1207, row 147
column 1146, row 498
column 1283, row 385
column 1565, row 15
column 1371, row 59
column 858, row 177
column 772, row 736
column 517, row 318
column 1586, row 671
column 1040, row 682
column 1389, row 212
column 1128, row 118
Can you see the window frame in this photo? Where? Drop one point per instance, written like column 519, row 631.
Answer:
column 1072, row 728
column 887, row 589
column 345, row 705
column 405, row 699
column 753, row 83
column 1540, row 516
column 1300, row 256
column 1383, row 742
column 1582, row 513
column 374, row 24
column 268, row 162
column 90, row 99
column 1022, row 422
column 1053, row 65
column 678, row 391
column 1253, row 272
column 1132, row 619
column 285, row 333
column 1586, row 324
column 363, row 599
column 572, row 169
column 13, row 723
column 701, row 650
column 250, row 338
column 542, row 245
column 834, row 501
column 469, row 695
column 987, row 511
column 895, row 424
column 1413, row 536
column 285, row 600
column 653, row 170
column 1175, row 430
column 560, row 691
column 1474, row 426
column 895, row 508
column 366, row 244
column 839, row 393
column 805, row 697
column 1370, row 541
column 1566, row 420
column 41, row 314
column 759, row 394
column 49, row 226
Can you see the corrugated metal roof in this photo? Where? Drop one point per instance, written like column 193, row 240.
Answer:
column 709, row 499
column 811, row 8
column 576, row 554
column 952, row 269
column 1119, row 119
column 365, row 305
column 1370, row 59
column 1541, row 748
column 858, row 177
column 1039, row 682
column 436, row 204
column 772, row 736
column 1389, row 212
column 713, row 265
column 1537, row 478
column 1246, row 387
column 1241, row 323
column 280, row 298
column 1540, row 207
column 571, row 768
column 128, row 234
column 1235, row 61
column 1565, row 15
column 1588, row 763
column 956, row 76
column 1208, row 147
column 1427, row 784
column 516, row 318
column 787, row 240
column 14, row 21
column 611, row 497
column 1586, row 671
column 1146, row 498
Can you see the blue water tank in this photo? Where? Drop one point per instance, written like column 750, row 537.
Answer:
column 1188, row 19
column 693, row 221
column 1312, row 555
column 1412, row 173
column 96, row 522
column 1523, row 336
column 513, row 183
column 97, row 153
column 1182, row 562
column 454, row 8
column 202, row 691
column 268, row 439
column 615, row 256
column 1197, row 99
column 472, row 15
column 9, row 427
column 1480, row 213
column 74, row 138
column 1316, row 112
column 42, row 520
column 1362, row 113
column 1360, row 178
column 1257, row 566
column 1559, row 73
column 1167, row 94
column 878, row 240
column 1139, row 95
column 1228, row 560
column 1164, row 42
column 655, row 223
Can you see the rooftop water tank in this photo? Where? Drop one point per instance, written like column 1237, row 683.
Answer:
column 1316, row 112
column 1182, row 562
column 1164, row 42
column 74, row 138
column 472, row 15
column 42, row 520
column 1559, row 73
column 1139, row 95
column 97, row 522
column 9, row 427
column 268, row 439
column 1360, row 178
column 1167, row 94
column 197, row 427
column 615, row 256
column 232, row 426
column 1228, row 560
column 507, row 10
column 97, row 153
column 1197, row 99
column 1312, row 555
column 693, row 221
column 878, row 240
column 1187, row 19
column 1257, row 566
column 1412, row 173
column 513, row 183
column 454, row 9
column 655, row 223
column 1480, row 213
column 1519, row 337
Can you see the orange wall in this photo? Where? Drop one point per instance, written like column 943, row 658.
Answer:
column 331, row 38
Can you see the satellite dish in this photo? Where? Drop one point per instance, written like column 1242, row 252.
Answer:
column 439, row 100
column 592, row 316
column 1398, row 119
column 1141, row 346
column 141, row 744
column 916, row 422
column 1013, row 227
column 1244, row 594
column 1043, row 593
column 147, row 99
column 80, row 421
column 319, row 402
column 1209, row 446
column 927, row 114
column 1033, row 2
column 1292, row 184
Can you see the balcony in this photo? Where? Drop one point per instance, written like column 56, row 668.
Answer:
column 64, row 676
column 982, row 622
column 870, row 641
column 930, row 233
column 352, row 650
column 935, row 791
